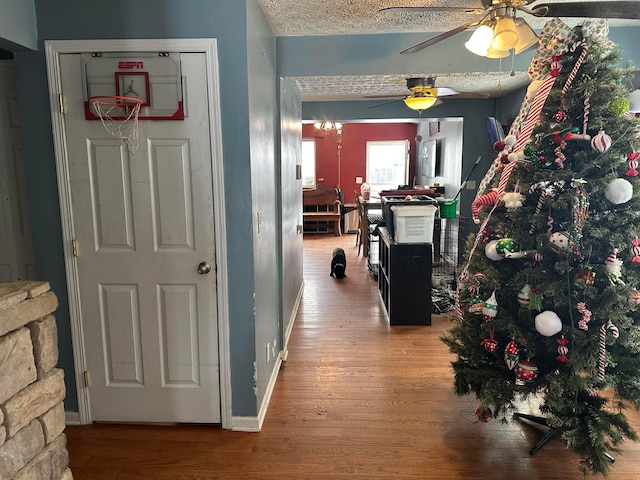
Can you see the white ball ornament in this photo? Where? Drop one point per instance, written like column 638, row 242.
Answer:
column 619, row 191
column 510, row 140
column 548, row 323
column 491, row 252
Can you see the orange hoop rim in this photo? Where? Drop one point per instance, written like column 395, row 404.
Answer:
column 115, row 100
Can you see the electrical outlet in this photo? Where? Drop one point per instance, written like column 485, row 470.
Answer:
column 471, row 184
column 358, row 179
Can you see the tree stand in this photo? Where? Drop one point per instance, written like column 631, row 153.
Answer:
column 548, row 435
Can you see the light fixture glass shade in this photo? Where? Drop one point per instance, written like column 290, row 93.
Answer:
column 419, row 102
column 480, row 40
column 493, row 53
column 634, row 101
column 526, row 36
column 505, row 36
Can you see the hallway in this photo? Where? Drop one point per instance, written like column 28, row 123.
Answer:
column 355, row 399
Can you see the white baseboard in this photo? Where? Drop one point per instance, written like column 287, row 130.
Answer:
column 72, row 418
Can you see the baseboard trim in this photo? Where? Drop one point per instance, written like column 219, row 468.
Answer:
column 72, row 418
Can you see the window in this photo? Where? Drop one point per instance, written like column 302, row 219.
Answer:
column 308, row 162
column 387, row 165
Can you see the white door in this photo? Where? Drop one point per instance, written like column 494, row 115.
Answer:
column 16, row 252
column 143, row 225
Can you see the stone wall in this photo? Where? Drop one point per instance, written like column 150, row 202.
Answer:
column 32, row 419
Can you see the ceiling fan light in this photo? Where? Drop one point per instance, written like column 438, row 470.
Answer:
column 506, row 36
column 419, row 102
column 526, row 36
column 480, row 40
column 494, row 53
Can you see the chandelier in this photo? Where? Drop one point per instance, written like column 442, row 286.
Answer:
column 327, row 126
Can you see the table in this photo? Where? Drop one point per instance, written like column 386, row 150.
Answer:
column 367, row 207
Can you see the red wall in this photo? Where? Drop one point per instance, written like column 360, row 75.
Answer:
column 353, row 154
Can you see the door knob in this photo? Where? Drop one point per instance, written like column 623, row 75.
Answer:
column 203, row 268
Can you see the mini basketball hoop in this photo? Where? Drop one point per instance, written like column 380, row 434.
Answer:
column 119, row 115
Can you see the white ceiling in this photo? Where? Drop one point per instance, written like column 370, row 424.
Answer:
column 352, row 17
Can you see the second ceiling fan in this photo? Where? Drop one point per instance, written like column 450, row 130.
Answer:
column 501, row 30
column 425, row 94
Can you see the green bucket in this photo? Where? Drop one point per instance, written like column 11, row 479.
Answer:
column 448, row 208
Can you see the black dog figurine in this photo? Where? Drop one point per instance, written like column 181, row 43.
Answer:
column 338, row 263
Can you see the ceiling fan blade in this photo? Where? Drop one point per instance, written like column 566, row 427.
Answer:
column 604, row 9
column 468, row 95
column 386, row 103
column 439, row 38
column 470, row 10
column 386, row 96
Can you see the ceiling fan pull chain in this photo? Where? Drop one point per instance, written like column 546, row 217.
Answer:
column 512, row 73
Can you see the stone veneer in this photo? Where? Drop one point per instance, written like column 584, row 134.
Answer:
column 33, row 445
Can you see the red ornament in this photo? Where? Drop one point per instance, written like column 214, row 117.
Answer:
column 504, row 158
column 562, row 349
column 633, row 164
column 490, row 345
column 499, row 145
column 526, row 371
column 484, row 414
column 511, row 354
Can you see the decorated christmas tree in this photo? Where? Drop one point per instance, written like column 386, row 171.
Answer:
column 548, row 295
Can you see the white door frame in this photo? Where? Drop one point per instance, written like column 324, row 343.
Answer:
column 54, row 49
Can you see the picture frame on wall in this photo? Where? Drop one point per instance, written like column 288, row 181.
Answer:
column 434, row 128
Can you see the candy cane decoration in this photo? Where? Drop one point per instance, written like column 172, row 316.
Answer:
column 585, row 117
column 635, row 250
column 576, row 66
column 586, row 316
column 543, row 195
column 615, row 333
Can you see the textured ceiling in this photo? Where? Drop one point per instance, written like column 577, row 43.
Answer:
column 352, row 17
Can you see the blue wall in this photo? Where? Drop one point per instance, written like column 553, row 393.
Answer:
column 18, row 25
column 219, row 19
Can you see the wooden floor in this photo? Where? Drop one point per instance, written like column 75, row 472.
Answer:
column 355, row 399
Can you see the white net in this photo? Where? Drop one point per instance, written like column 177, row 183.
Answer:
column 119, row 115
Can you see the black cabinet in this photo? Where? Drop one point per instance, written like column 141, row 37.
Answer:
column 404, row 280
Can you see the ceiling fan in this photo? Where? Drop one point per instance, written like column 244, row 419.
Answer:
column 425, row 94
column 500, row 21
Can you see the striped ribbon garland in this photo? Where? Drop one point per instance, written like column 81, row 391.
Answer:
column 533, row 119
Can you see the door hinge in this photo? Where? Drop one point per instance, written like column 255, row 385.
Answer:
column 87, row 379
column 61, row 102
column 74, row 247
